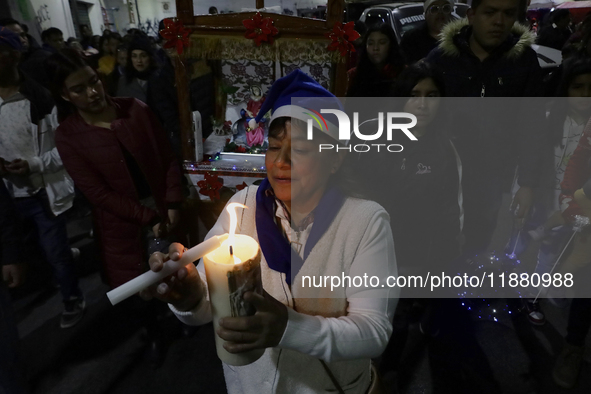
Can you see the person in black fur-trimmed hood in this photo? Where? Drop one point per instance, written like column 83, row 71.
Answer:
column 489, row 54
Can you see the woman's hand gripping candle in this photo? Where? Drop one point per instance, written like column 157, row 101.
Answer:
column 262, row 330
column 183, row 290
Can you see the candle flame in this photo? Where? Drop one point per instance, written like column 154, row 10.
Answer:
column 231, row 208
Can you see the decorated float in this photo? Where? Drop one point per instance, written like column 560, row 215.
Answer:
column 232, row 60
column 245, row 52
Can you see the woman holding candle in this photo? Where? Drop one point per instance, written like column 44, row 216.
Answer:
column 314, row 339
column 119, row 157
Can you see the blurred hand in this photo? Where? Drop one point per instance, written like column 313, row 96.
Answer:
column 522, row 201
column 264, row 329
column 183, row 289
column 18, row 167
column 174, row 218
column 13, row 275
column 156, row 230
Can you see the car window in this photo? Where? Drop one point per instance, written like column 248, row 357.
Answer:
column 407, row 18
column 378, row 16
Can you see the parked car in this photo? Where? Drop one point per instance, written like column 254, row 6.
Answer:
column 406, row 16
column 403, row 16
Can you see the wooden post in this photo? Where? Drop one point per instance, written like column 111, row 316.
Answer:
column 186, row 121
column 184, row 11
column 260, row 4
column 334, row 12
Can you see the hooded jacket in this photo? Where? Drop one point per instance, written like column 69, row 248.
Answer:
column 512, row 70
column 493, row 136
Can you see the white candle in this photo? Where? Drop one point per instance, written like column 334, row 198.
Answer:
column 170, row 267
column 229, row 276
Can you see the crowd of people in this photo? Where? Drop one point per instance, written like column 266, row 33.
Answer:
column 485, row 55
column 101, row 115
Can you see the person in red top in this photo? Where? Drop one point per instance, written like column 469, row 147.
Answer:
column 120, row 158
column 379, row 64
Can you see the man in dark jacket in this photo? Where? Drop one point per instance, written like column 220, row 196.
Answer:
column 418, row 42
column 488, row 56
column 491, row 55
column 53, row 39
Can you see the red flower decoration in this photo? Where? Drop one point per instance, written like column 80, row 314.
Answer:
column 175, row 34
column 240, row 149
column 260, row 29
column 342, row 37
column 211, row 186
column 240, row 187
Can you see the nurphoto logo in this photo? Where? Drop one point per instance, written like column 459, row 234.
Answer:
column 344, row 127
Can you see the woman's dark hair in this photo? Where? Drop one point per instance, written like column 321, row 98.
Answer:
column 277, row 127
column 415, row 73
column 410, row 77
column 369, row 82
column 143, row 44
column 571, row 69
column 59, row 67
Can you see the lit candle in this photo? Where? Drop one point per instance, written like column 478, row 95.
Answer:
column 149, row 278
column 233, row 269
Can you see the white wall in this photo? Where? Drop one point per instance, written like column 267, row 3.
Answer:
column 149, row 10
column 201, row 7
column 96, row 16
column 120, row 15
column 54, row 13
column 153, row 9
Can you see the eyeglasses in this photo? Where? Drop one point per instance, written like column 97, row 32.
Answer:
column 444, row 9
